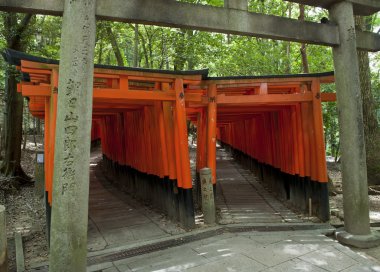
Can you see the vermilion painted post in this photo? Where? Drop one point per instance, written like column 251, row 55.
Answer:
column 306, row 139
column 318, row 128
column 211, row 131
column 171, row 156
column 201, row 152
column 301, row 155
column 186, row 195
column 320, row 151
column 52, row 127
column 47, row 144
column 177, row 148
column 164, row 152
column 182, row 134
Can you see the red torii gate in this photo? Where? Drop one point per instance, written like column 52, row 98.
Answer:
column 140, row 116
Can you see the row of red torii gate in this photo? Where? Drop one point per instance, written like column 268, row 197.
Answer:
column 141, row 118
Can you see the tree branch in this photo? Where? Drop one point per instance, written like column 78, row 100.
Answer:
column 16, row 39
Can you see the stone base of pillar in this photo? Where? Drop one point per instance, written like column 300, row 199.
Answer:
column 359, row 241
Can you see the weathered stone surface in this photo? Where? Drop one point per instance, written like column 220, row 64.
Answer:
column 361, row 7
column 68, row 241
column 360, row 241
column 354, row 175
column 236, row 4
column 208, row 200
column 208, row 18
column 3, row 242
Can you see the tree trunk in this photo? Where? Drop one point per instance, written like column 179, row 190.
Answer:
column 38, row 126
column 13, row 135
column 1, row 141
column 68, row 240
column 34, row 131
column 305, row 63
column 143, row 44
column 14, row 101
column 136, row 47
column 115, row 45
column 179, row 49
column 100, row 55
column 371, row 127
column 288, row 68
column 190, row 52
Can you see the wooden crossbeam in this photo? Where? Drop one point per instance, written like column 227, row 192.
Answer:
column 263, row 99
column 328, row 97
column 207, row 18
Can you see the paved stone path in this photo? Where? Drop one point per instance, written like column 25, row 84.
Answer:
column 242, row 199
column 118, row 223
column 116, row 219
column 250, row 251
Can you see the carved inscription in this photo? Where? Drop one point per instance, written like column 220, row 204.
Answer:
column 351, row 34
column 74, row 85
column 212, row 99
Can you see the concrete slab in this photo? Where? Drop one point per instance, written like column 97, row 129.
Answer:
column 232, row 262
column 219, row 248
column 100, row 267
column 113, row 269
column 274, row 254
column 329, row 259
column 174, row 259
column 147, row 231
column 291, row 251
column 118, row 236
column 361, row 268
column 294, row 265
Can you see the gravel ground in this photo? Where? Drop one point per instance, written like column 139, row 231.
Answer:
column 336, row 207
column 336, row 200
column 26, row 214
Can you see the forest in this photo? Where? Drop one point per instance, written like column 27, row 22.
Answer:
column 144, row 46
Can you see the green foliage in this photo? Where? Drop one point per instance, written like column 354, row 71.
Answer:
column 169, row 48
column 330, row 122
column 47, row 37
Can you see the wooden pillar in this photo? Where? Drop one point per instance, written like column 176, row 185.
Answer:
column 324, row 207
column 354, row 168
column 318, row 129
column 68, row 251
column 211, row 131
column 185, row 194
column 201, row 152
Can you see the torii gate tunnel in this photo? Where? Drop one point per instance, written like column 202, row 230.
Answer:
column 276, row 112
column 140, row 116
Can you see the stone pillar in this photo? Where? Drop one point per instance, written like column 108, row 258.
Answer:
column 39, row 174
column 236, row 4
column 3, row 241
column 354, row 171
column 208, row 202
column 68, row 250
